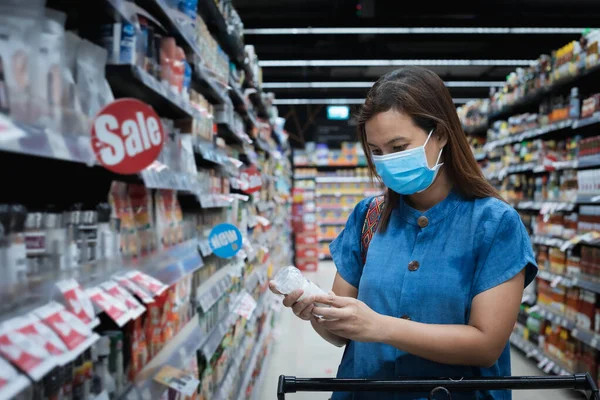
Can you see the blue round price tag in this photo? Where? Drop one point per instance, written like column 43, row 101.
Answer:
column 225, row 240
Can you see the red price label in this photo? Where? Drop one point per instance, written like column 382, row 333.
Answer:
column 127, row 136
column 149, row 283
column 74, row 333
column 116, row 310
column 24, row 353
column 135, row 307
column 78, row 302
column 250, row 180
column 31, row 326
column 143, row 294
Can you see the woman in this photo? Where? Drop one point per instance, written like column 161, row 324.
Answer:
column 444, row 275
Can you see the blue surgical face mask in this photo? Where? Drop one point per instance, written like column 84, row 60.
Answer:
column 407, row 172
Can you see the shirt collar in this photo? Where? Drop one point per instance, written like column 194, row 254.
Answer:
column 434, row 214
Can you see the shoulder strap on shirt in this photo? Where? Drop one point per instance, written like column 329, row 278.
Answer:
column 370, row 225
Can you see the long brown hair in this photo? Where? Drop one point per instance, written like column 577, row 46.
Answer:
column 422, row 95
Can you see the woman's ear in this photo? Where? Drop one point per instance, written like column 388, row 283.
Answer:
column 441, row 135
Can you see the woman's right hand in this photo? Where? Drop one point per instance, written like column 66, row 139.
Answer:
column 302, row 309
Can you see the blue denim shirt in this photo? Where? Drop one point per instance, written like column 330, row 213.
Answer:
column 466, row 248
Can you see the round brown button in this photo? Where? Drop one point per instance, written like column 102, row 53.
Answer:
column 422, row 221
column 406, row 317
column 413, row 265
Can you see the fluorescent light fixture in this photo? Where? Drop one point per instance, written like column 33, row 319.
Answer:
column 294, row 102
column 393, row 63
column 414, row 31
column 342, row 85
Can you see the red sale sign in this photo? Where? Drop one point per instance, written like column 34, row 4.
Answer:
column 250, row 179
column 127, row 136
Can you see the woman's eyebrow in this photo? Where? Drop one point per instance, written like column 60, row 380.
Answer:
column 390, row 141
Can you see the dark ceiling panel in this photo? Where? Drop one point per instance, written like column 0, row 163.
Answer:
column 393, row 13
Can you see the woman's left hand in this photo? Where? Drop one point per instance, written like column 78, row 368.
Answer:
column 348, row 317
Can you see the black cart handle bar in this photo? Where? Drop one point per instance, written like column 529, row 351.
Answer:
column 292, row 384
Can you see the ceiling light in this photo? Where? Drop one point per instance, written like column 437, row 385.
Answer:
column 417, row 31
column 290, row 102
column 392, row 63
column 342, row 85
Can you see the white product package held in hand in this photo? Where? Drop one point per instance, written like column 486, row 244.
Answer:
column 290, row 278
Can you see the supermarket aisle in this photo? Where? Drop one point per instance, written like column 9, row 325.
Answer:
column 300, row 351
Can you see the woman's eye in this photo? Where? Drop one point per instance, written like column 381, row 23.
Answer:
column 376, row 152
column 400, row 148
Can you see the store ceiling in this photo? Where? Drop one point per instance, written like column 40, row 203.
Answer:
column 378, row 13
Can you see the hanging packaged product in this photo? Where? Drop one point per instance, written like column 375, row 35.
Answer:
column 74, row 333
column 147, row 282
column 23, row 351
column 12, row 383
column 78, row 302
column 144, row 295
column 113, row 307
column 51, row 64
column 133, row 305
column 92, row 88
column 20, row 23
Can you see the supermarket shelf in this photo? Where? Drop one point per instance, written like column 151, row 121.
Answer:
column 340, row 194
column 586, row 336
column 210, row 152
column 214, row 91
column 168, row 266
column 40, row 142
column 589, row 161
column 177, row 352
column 216, row 23
column 132, row 81
column 325, row 240
column 218, row 333
column 545, row 206
column 578, row 280
column 480, row 156
column 535, row 98
column 343, row 179
column 253, row 360
column 215, row 200
column 548, row 241
column 259, row 105
column 233, row 370
column 256, row 390
column 167, row 17
column 236, row 94
column 210, row 291
column 169, row 179
column 531, row 134
column 477, row 130
column 227, row 132
column 304, row 178
column 546, row 363
column 339, row 222
column 594, row 119
column 334, row 208
column 588, row 198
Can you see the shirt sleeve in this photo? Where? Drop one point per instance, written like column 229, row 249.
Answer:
column 508, row 252
column 346, row 248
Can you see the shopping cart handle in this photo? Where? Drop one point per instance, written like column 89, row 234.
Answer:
column 292, row 384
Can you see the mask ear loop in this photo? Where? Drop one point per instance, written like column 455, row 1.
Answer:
column 437, row 163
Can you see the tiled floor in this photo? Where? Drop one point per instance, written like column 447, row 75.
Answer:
column 299, row 351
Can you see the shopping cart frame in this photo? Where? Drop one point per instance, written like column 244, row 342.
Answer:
column 582, row 382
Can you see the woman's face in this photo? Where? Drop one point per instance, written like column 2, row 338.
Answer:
column 394, row 131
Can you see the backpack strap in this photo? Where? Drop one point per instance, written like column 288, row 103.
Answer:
column 370, row 225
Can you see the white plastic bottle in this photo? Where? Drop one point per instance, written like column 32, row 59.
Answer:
column 290, row 278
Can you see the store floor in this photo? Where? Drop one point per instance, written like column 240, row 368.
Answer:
column 299, row 351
